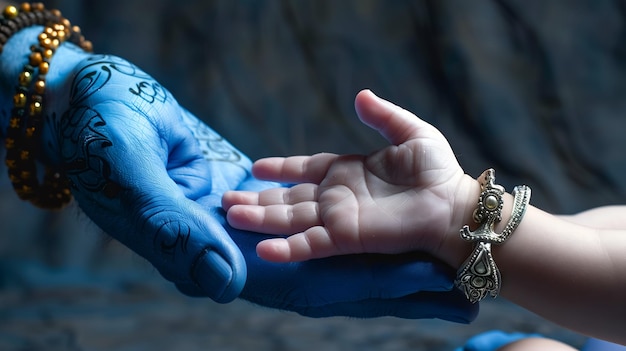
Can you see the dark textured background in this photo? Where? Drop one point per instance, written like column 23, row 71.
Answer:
column 535, row 89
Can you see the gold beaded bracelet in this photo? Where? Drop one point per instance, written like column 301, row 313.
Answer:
column 479, row 275
column 23, row 133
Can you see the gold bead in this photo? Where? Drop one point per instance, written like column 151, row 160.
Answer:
column 25, row 78
column 30, row 131
column 36, row 105
column 40, row 86
column 48, row 53
column 35, row 108
column 491, row 202
column 25, row 7
column 10, row 164
column 35, row 59
column 19, row 100
column 38, row 6
column 46, row 42
column 10, row 12
column 87, row 46
column 27, row 190
column 24, row 155
column 9, row 143
column 44, row 67
column 14, row 122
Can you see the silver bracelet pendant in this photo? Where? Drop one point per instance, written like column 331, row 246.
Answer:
column 479, row 275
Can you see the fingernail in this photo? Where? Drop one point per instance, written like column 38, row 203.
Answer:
column 215, row 276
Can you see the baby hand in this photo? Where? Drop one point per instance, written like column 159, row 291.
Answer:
column 398, row 199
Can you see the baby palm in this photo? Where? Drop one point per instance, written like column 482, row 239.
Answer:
column 398, row 199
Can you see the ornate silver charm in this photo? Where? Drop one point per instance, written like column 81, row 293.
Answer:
column 479, row 275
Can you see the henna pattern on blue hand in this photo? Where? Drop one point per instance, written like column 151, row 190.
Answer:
column 150, row 92
column 212, row 145
column 98, row 73
column 183, row 233
column 83, row 160
column 83, row 127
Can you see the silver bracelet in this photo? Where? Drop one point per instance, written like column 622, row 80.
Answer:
column 479, row 275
